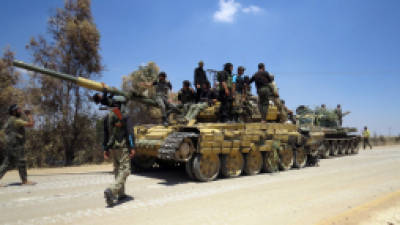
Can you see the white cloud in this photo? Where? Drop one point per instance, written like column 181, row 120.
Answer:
column 228, row 9
column 251, row 9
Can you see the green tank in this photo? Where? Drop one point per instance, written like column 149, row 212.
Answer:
column 337, row 140
column 208, row 149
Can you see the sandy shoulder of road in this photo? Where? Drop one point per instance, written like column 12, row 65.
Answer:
column 384, row 210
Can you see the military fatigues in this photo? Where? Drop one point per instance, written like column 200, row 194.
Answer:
column 162, row 89
column 187, row 97
column 241, row 106
column 120, row 141
column 338, row 112
column 366, row 135
column 206, row 98
column 226, row 108
column 263, row 81
column 14, row 147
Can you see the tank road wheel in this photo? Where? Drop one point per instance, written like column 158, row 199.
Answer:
column 355, row 147
column 300, row 157
column 339, row 146
column 342, row 147
column 253, row 162
column 324, row 150
column 334, row 148
column 189, row 169
column 232, row 164
column 185, row 150
column 286, row 158
column 271, row 161
column 206, row 167
column 348, row 147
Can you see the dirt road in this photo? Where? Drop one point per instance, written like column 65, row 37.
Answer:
column 341, row 189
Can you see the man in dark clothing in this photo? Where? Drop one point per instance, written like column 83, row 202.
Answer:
column 163, row 86
column 120, row 144
column 186, row 96
column 225, row 93
column 207, row 98
column 109, row 100
column 207, row 95
column 263, row 81
column 14, row 155
column 239, row 94
column 200, row 76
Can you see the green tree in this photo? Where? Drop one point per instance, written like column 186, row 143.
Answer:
column 9, row 93
column 9, row 79
column 67, row 122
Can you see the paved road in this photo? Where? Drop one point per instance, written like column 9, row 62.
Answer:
column 306, row 196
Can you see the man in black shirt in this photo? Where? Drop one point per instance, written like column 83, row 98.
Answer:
column 207, row 98
column 200, row 76
column 163, row 86
column 186, row 96
column 263, row 80
column 225, row 95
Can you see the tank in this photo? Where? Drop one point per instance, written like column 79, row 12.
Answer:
column 208, row 149
column 337, row 140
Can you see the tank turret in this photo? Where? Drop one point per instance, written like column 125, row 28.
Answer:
column 336, row 139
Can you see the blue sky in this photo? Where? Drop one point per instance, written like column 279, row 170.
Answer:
column 332, row 51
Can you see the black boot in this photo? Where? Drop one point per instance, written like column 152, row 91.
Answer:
column 109, row 197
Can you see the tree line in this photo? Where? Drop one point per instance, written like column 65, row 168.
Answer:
column 68, row 127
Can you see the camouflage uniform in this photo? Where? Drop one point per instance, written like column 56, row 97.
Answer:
column 226, row 108
column 194, row 110
column 14, row 147
column 263, row 83
column 162, row 89
column 263, row 101
column 339, row 113
column 120, row 142
column 206, row 99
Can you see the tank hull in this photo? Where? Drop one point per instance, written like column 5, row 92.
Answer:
column 210, row 150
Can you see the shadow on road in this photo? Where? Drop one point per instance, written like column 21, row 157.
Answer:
column 168, row 176
column 125, row 200
column 73, row 173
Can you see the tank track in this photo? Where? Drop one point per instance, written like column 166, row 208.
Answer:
column 171, row 144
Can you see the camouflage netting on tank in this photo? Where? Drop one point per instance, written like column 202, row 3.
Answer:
column 301, row 110
column 327, row 118
column 141, row 113
column 145, row 73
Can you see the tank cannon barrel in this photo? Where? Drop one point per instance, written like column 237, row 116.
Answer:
column 85, row 83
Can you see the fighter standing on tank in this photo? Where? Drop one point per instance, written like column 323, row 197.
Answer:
column 238, row 93
column 263, row 80
column 225, row 93
column 14, row 155
column 200, row 77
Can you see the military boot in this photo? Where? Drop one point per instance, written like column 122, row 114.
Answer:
column 109, row 197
